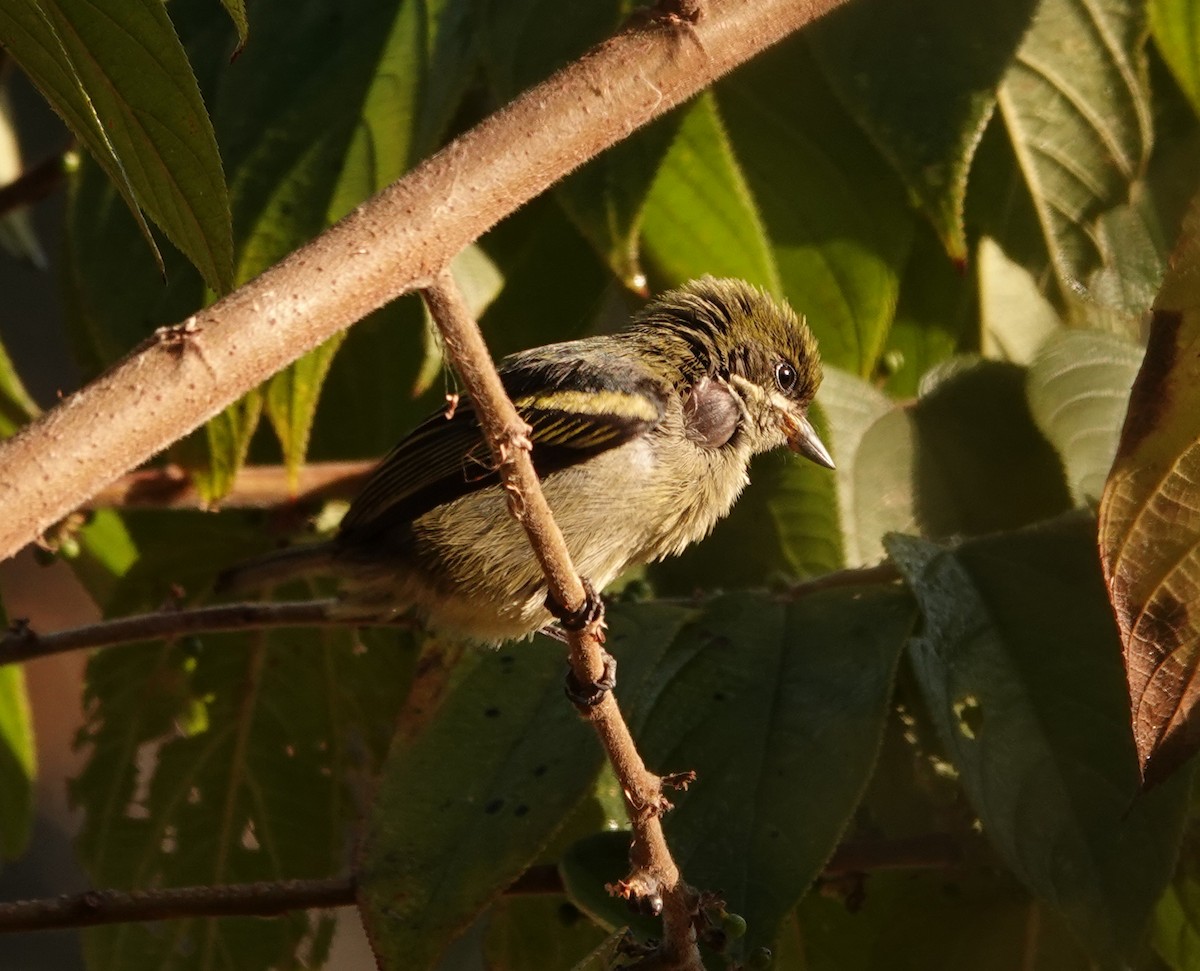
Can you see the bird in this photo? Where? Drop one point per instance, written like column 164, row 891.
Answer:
column 642, row 439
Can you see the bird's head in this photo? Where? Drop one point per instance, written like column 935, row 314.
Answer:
column 734, row 333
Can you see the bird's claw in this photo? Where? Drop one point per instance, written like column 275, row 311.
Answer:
column 585, row 697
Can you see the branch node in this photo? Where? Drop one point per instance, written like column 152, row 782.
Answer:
column 679, row 780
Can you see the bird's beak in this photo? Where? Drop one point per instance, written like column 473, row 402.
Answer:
column 803, row 438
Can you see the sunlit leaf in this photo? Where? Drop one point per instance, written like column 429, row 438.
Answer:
column 923, row 102
column 237, row 13
column 1078, row 388
column 1075, row 105
column 1175, row 25
column 1150, row 524
column 850, row 406
column 699, row 216
column 16, row 406
column 836, row 215
column 1015, row 318
column 117, row 74
column 1018, row 660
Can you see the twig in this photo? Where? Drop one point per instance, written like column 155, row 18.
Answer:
column 935, row 851
column 655, row 878
column 34, row 184
column 255, row 487
column 229, row 900
column 21, row 643
column 393, row 243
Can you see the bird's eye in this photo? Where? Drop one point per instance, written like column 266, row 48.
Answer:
column 785, row 376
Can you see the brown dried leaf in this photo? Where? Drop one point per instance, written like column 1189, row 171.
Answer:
column 1150, row 524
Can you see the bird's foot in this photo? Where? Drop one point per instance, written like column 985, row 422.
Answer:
column 589, row 613
column 585, row 697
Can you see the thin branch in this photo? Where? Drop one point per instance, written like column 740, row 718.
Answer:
column 21, row 643
column 254, row 487
column 34, row 184
column 392, row 244
column 935, row 851
column 655, row 878
column 229, row 900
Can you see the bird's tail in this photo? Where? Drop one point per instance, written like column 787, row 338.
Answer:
column 278, row 567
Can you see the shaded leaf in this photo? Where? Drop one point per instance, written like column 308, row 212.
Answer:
column 1176, row 927
column 1018, row 661
column 465, row 805
column 699, row 216
column 936, row 317
column 835, row 214
column 1078, row 388
column 18, row 759
column 225, row 759
column 937, row 922
column 779, row 708
column 966, row 459
column 117, row 74
column 538, row 932
column 1175, row 26
column 1150, row 524
column 923, row 102
column 1075, row 105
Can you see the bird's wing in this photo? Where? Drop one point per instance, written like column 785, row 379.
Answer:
column 575, row 408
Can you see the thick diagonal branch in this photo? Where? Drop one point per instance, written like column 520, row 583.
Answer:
column 507, row 435
column 392, row 244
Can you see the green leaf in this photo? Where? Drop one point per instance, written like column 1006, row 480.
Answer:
column 237, row 13
column 967, row 459
column 836, row 215
column 1078, row 387
column 117, row 74
column 850, row 406
column 16, row 406
column 1015, row 318
column 1075, row 104
column 338, row 104
column 228, row 439
column 779, row 707
column 1176, row 931
column 699, row 216
column 226, row 759
column 924, row 102
column 1175, row 26
column 468, row 802
column 18, row 759
column 914, row 921
column 936, row 317
column 1018, row 662
column 538, row 932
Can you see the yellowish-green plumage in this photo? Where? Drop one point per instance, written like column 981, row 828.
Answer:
column 642, row 439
